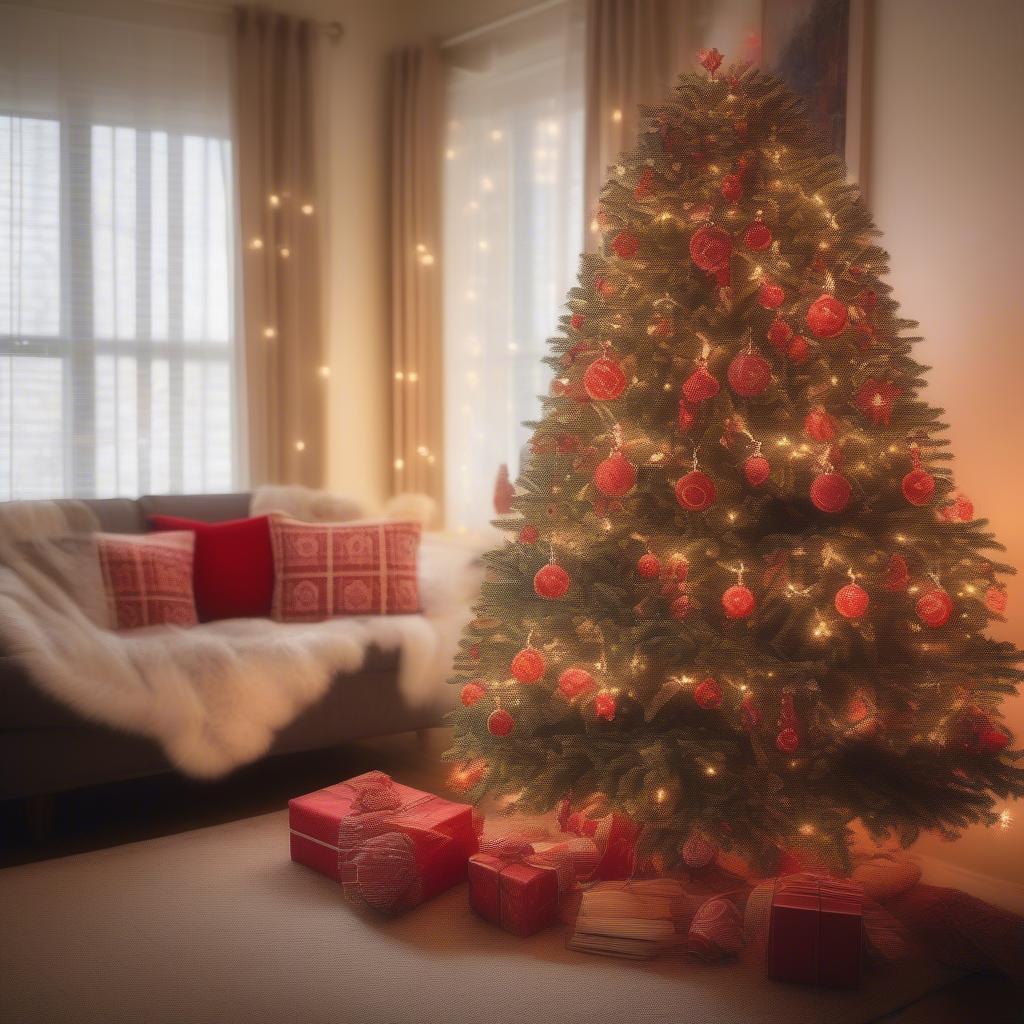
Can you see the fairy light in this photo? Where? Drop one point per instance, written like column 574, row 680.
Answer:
column 324, row 372
column 307, row 209
column 617, row 116
column 661, row 795
column 399, row 463
column 300, row 446
column 1005, row 818
column 269, row 332
column 256, row 243
column 274, row 200
column 806, row 829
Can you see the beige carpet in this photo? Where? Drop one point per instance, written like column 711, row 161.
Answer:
column 217, row 925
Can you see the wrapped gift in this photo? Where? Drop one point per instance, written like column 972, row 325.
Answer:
column 390, row 846
column 815, row 931
column 518, row 885
column 615, row 836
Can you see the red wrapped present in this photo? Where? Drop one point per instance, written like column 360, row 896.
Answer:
column 390, row 846
column 518, row 887
column 815, row 931
column 615, row 836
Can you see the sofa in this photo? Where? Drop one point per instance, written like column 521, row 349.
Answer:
column 46, row 748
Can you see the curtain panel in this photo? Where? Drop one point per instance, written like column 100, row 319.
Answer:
column 285, row 367
column 417, row 115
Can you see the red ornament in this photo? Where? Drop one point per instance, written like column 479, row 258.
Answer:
column 756, row 469
column 472, row 693
column 500, row 723
column 757, row 237
column 648, row 565
column 711, row 60
column 852, row 601
column 700, row 385
column 528, row 535
column 528, row 665
column 788, row 741
column 625, row 245
column 575, row 681
column 604, row 706
column 687, row 414
column 897, row 574
column 799, row 351
column 750, row 714
column 995, row 599
column 831, row 492
column 827, row 316
column 680, row 607
column 770, row 295
column 961, row 510
column 749, row 374
column 992, row 741
column 695, row 491
column 918, row 487
column 708, row 694
column 723, row 276
column 699, row 851
column 877, row 399
column 934, row 607
column 738, row 602
column 680, row 568
column 463, row 777
column 615, row 476
column 819, row 426
column 661, row 327
column 604, row 380
column 779, row 333
column 576, row 321
column 551, row 582
column 603, row 286
column 710, row 248
column 645, row 185
column 732, row 188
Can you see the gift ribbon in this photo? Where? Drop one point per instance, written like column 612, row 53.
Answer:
column 518, row 851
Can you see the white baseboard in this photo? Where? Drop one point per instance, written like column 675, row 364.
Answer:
column 994, row 890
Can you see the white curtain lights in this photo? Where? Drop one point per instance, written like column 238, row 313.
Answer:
column 117, row 242
column 513, row 228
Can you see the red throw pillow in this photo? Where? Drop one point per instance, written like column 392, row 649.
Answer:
column 234, row 566
column 328, row 569
column 148, row 579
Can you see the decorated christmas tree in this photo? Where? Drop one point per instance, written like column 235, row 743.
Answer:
column 741, row 600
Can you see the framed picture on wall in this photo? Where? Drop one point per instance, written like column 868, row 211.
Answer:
column 819, row 48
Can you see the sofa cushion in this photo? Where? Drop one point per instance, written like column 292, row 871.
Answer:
column 148, row 579
column 233, row 571
column 326, row 569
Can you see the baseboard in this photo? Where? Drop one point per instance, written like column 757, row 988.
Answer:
column 999, row 891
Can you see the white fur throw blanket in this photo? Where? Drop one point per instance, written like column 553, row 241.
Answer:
column 212, row 696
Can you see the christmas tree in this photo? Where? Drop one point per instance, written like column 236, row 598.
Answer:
column 741, row 599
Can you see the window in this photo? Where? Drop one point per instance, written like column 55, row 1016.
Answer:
column 513, row 221
column 117, row 317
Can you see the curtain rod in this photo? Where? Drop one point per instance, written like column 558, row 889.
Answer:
column 334, row 30
column 509, row 19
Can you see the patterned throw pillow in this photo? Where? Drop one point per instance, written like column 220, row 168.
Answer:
column 148, row 578
column 326, row 569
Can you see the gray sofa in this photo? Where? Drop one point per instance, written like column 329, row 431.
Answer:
column 46, row 748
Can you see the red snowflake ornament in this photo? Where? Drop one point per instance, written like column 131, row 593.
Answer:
column 711, row 60
column 996, row 599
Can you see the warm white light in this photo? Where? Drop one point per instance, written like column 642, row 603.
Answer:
column 300, row 446
column 412, row 376
column 616, row 115
column 449, row 154
column 324, row 371
column 486, row 184
column 807, row 829
column 274, row 200
column 399, row 463
column 496, row 135
column 285, row 252
column 420, row 247
column 269, row 332
column 483, row 245
column 426, row 260
column 1005, row 818
column 256, row 243
column 399, row 375
column 307, row 209
column 423, row 450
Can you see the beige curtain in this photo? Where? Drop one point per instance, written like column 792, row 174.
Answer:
column 635, row 49
column 417, row 115
column 284, row 347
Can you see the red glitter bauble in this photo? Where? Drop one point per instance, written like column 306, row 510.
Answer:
column 852, row 601
column 710, row 248
column 918, row 487
column 779, row 333
column 645, row 185
column 827, row 316
column 750, row 714
column 574, row 681
column 700, row 385
column 528, row 665
column 695, row 491
column 798, row 351
column 648, row 565
column 819, row 426
column 749, row 374
column 500, row 723
column 897, row 574
column 708, row 694
column 528, row 535
column 604, row 380
column 604, row 706
column 472, row 693
column 934, row 607
column 625, row 245
column 756, row 469
column 995, row 599
column 757, row 237
column 687, row 414
column 738, row 602
column 788, row 741
column 615, row 476
column 551, row 582
column 680, row 568
column 770, row 295
column 576, row 321
column 681, row 607
column 732, row 188
column 831, row 492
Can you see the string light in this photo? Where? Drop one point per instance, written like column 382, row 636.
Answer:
column 1005, row 818
column 256, row 243
column 274, row 200
column 269, row 332
column 399, row 463
column 300, row 446
column 617, row 116
column 307, row 209
column 324, row 371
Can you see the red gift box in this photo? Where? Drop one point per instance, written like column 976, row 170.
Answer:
column 615, row 836
column 518, row 887
column 815, row 931
column 390, row 846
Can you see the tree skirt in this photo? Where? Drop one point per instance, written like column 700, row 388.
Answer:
column 219, row 925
